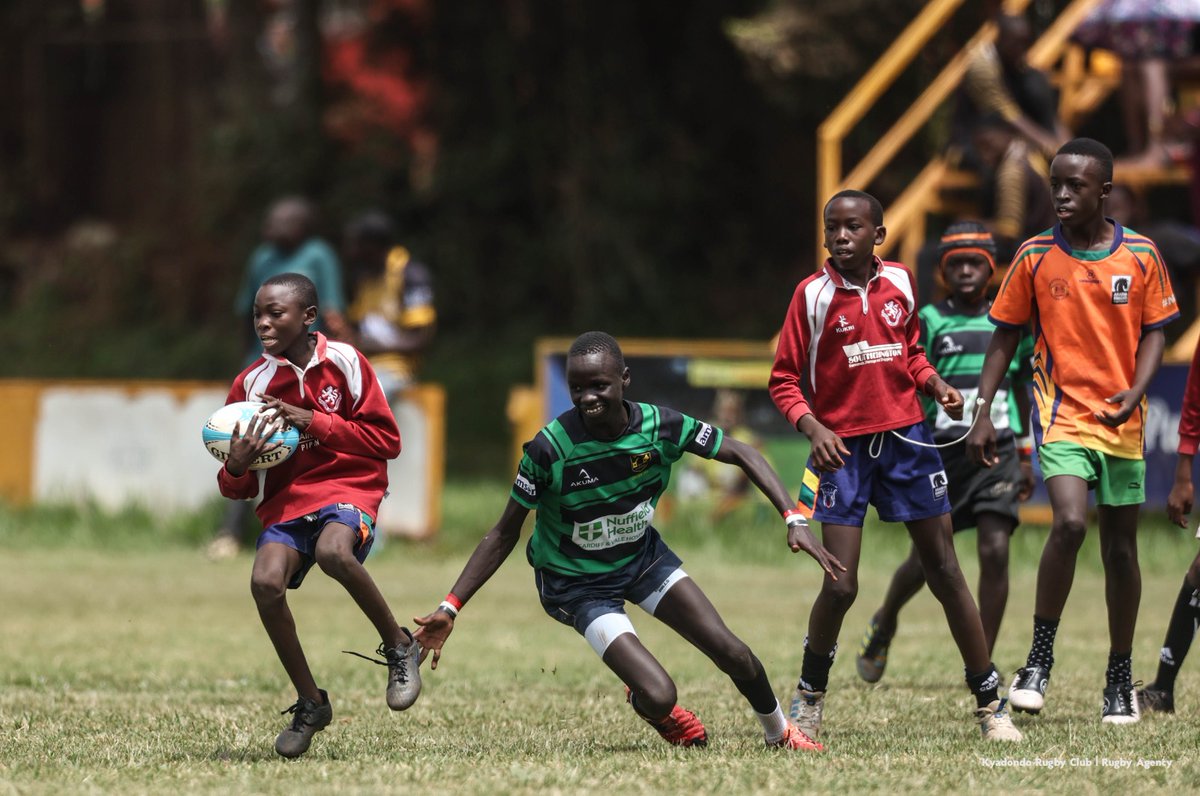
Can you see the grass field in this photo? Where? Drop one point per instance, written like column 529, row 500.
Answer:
column 131, row 664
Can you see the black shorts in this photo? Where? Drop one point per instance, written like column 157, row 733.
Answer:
column 576, row 600
column 975, row 489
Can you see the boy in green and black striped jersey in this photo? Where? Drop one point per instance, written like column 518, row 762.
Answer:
column 955, row 334
column 594, row 475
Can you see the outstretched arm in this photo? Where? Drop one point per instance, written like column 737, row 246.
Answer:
column 489, row 554
column 763, row 476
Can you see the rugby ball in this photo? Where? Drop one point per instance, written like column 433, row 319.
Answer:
column 219, row 429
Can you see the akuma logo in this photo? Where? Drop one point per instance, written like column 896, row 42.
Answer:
column 584, row 478
column 946, row 346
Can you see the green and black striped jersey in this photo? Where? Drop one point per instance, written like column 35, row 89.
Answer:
column 595, row 499
column 955, row 344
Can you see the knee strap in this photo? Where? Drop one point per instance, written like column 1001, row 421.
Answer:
column 604, row 630
column 650, row 604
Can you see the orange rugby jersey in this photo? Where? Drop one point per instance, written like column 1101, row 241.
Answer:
column 1088, row 310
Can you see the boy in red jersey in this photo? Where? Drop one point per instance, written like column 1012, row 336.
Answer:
column 318, row 506
column 850, row 339
column 1159, row 696
column 1098, row 296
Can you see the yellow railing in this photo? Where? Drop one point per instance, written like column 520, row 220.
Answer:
column 906, row 216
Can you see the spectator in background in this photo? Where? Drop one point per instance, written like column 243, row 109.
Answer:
column 1016, row 197
column 391, row 308
column 1147, row 35
column 289, row 245
column 1000, row 82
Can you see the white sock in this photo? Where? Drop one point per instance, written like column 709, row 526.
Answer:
column 774, row 724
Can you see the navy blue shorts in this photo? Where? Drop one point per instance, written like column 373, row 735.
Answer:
column 301, row 534
column 576, row 600
column 903, row 482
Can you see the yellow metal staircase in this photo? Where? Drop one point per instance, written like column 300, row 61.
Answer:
column 1083, row 82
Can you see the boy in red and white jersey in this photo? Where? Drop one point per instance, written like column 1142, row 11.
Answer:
column 1159, row 696
column 318, row 506
column 846, row 374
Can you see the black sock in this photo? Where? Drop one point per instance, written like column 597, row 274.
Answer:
column 1041, row 652
column 814, row 672
column 1184, row 620
column 985, row 686
column 757, row 690
column 1120, row 668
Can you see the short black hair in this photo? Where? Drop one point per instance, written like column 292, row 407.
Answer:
column 299, row 284
column 872, row 202
column 597, row 343
column 1090, row 148
column 374, row 228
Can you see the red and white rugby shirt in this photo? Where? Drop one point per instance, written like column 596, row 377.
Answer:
column 1189, row 416
column 344, row 451
column 854, row 352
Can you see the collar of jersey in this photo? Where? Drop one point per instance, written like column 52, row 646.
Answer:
column 318, row 355
column 1060, row 240
column 844, row 283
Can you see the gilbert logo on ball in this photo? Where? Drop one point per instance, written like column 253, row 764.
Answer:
column 219, row 429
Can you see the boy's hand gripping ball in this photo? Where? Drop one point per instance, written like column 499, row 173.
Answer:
column 219, row 429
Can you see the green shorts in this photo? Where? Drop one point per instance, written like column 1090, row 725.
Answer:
column 1117, row 481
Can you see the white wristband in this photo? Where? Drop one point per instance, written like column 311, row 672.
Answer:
column 449, row 608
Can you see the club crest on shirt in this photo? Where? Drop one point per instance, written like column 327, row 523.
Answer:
column 1120, row 289
column 1059, row 289
column 640, row 461
column 892, row 313
column 330, row 398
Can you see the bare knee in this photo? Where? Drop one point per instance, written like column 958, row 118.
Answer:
column 944, row 577
column 336, row 562
column 1120, row 553
column 993, row 554
column 840, row 594
column 735, row 659
column 267, row 588
column 654, row 695
column 1068, row 531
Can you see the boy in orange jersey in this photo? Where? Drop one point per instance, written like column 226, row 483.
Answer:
column 1097, row 295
